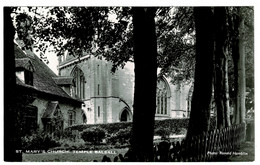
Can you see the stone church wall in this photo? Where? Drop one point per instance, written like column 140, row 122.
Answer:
column 107, row 94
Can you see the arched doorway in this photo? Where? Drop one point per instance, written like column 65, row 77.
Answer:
column 125, row 115
column 84, row 117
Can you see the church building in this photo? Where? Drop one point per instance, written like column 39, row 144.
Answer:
column 108, row 97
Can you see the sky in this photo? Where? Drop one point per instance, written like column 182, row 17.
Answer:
column 53, row 62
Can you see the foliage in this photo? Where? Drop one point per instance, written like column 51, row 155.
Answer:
column 78, row 30
column 90, row 29
column 109, row 127
column 93, row 135
column 67, row 134
column 122, row 136
column 175, row 125
column 172, row 124
column 69, row 144
column 176, row 40
column 38, row 141
column 248, row 13
column 163, row 132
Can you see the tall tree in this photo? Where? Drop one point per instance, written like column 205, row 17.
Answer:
column 221, row 91
column 200, row 104
column 238, row 54
column 12, row 136
column 145, row 54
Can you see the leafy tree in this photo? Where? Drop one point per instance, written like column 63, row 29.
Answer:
column 221, row 87
column 242, row 23
column 145, row 55
column 12, row 133
column 176, row 43
column 201, row 99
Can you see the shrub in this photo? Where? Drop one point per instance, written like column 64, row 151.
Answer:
column 71, row 134
column 109, row 127
column 38, row 141
column 93, row 135
column 175, row 126
column 122, row 137
column 164, row 132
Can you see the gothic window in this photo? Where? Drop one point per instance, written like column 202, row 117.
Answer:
column 158, row 102
column 165, row 105
column 162, row 102
column 161, row 97
column 71, row 118
column 78, row 83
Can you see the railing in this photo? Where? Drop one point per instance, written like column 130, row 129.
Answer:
column 212, row 146
column 209, row 146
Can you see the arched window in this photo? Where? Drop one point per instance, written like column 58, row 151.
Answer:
column 78, row 83
column 162, row 96
column 158, row 101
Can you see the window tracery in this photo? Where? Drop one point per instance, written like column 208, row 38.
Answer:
column 161, row 97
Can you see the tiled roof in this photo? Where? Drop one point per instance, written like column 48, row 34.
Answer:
column 42, row 75
column 24, row 63
column 63, row 80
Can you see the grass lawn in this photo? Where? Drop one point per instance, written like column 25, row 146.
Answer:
column 73, row 157
column 249, row 149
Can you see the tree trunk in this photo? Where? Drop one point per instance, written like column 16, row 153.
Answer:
column 12, row 136
column 221, row 69
column 145, row 54
column 238, row 54
column 201, row 99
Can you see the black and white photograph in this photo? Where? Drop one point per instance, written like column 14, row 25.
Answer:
column 128, row 83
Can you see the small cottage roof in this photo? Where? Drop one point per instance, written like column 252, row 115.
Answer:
column 24, row 63
column 42, row 76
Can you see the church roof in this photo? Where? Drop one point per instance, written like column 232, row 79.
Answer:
column 63, row 80
column 42, row 75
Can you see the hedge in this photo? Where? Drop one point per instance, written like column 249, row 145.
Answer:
column 109, row 127
column 174, row 125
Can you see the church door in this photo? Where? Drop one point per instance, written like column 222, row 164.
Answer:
column 124, row 115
